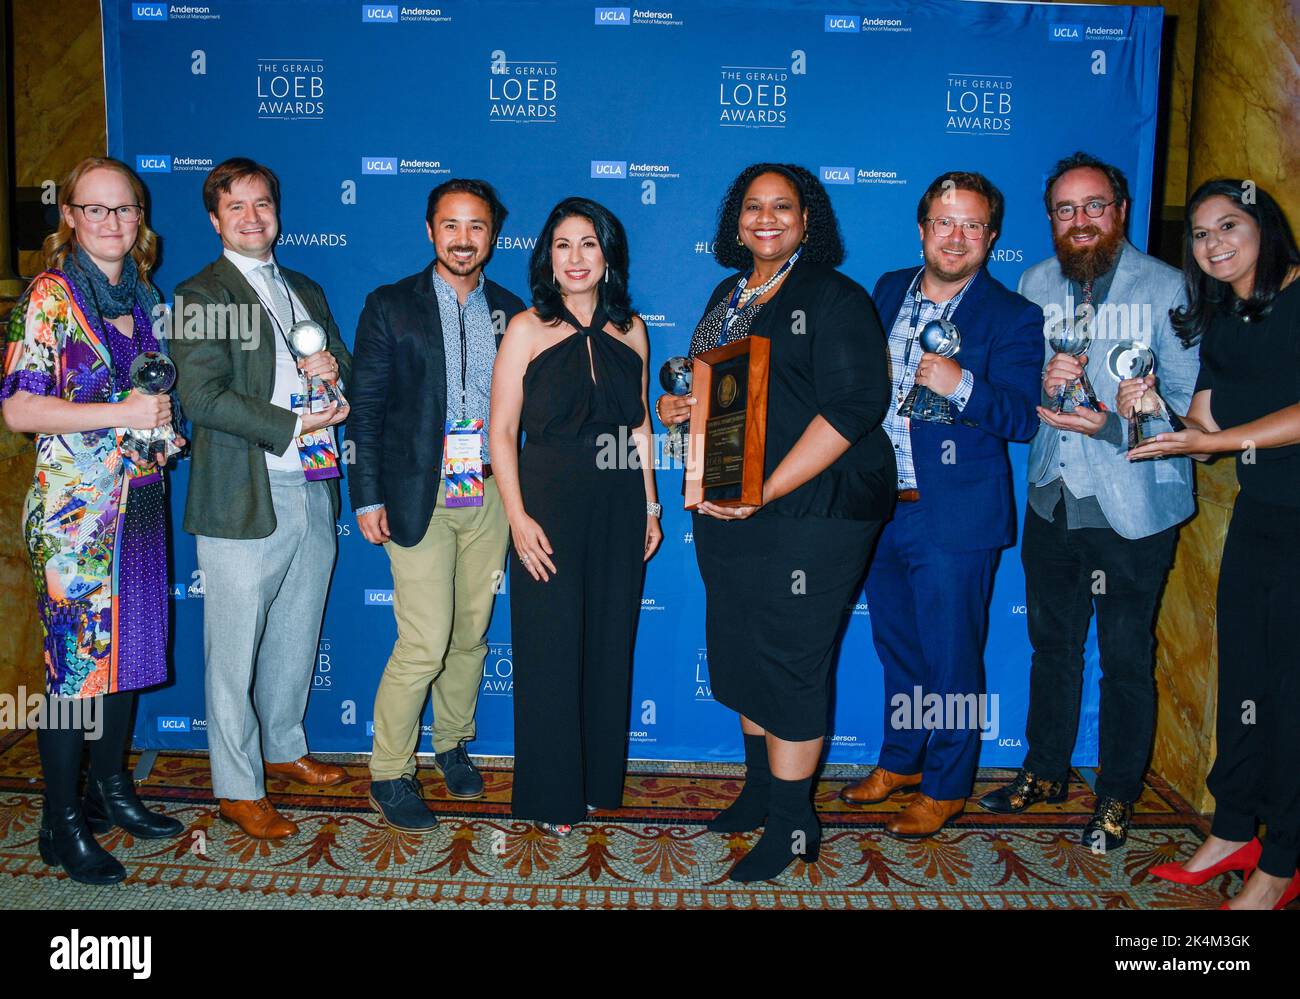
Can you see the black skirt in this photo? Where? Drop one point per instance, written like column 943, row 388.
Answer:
column 777, row 589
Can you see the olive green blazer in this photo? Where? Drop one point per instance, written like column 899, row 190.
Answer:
column 225, row 376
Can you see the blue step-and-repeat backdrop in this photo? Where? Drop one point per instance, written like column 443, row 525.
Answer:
column 362, row 108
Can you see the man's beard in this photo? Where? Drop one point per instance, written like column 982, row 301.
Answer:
column 455, row 266
column 954, row 271
column 1087, row 263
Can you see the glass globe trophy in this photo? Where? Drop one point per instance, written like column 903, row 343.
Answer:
column 307, row 337
column 941, row 337
column 152, row 373
column 1130, row 359
column 675, row 378
column 1072, row 336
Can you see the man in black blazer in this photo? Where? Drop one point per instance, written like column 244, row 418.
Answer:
column 421, row 485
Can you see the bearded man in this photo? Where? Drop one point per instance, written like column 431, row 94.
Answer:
column 1100, row 530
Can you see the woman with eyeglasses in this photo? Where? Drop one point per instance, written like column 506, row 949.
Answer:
column 95, row 519
column 1242, row 272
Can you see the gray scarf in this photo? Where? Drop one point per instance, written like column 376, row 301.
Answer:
column 112, row 300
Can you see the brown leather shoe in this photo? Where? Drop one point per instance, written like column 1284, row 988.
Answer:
column 877, row 786
column 305, row 770
column 924, row 816
column 258, row 819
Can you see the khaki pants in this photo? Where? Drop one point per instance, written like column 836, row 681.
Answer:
column 443, row 590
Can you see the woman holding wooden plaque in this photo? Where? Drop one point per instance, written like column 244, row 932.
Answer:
column 780, row 567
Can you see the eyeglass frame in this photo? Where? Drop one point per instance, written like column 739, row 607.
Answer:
column 116, row 211
column 1075, row 208
column 984, row 227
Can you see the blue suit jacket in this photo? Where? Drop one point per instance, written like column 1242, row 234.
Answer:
column 962, row 471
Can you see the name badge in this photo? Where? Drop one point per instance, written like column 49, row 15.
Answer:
column 462, row 462
column 319, row 455
column 318, row 403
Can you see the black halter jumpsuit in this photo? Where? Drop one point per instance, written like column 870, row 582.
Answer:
column 573, row 635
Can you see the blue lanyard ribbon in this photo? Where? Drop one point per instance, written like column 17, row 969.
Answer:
column 729, row 317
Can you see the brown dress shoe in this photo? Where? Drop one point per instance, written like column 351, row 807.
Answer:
column 305, row 770
column 258, row 819
column 877, row 786
column 924, row 817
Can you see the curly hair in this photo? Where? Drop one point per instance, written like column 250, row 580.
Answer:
column 824, row 244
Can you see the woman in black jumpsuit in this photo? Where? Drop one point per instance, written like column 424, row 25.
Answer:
column 571, row 372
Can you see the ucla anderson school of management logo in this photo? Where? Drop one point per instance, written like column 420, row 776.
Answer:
column 391, row 13
column 149, row 11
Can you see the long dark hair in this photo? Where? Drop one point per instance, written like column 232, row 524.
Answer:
column 1277, row 255
column 613, row 293
column 824, row 245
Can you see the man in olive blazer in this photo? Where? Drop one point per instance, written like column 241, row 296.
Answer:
column 263, row 494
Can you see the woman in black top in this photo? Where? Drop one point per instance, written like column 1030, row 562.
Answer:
column 779, row 576
column 1244, row 304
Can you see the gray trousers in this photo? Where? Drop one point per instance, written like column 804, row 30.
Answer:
column 263, row 601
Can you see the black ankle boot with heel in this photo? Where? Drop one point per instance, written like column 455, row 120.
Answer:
column 66, row 841
column 113, row 802
column 792, row 833
column 749, row 810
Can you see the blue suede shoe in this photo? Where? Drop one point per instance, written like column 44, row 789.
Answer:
column 401, row 804
column 462, row 777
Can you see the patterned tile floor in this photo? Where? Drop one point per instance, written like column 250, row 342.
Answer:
column 652, row 853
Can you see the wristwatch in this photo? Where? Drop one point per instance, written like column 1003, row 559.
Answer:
column 654, row 509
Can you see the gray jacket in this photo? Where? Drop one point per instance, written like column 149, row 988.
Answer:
column 1138, row 498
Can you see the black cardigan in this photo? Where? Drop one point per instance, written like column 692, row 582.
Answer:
column 829, row 358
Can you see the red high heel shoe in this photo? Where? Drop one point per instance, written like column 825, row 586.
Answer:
column 1290, row 895
column 1245, row 859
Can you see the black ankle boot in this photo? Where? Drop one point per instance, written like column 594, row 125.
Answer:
column 792, row 832
column 113, row 802
column 749, row 810
column 66, row 842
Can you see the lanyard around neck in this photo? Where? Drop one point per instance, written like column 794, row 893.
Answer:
column 729, row 316
column 270, row 311
column 915, row 293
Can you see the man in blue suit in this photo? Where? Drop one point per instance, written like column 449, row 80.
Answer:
column 932, row 577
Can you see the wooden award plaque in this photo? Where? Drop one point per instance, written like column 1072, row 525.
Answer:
column 728, row 432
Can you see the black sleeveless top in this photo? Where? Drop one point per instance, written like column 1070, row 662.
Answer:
column 1253, row 369
column 562, row 405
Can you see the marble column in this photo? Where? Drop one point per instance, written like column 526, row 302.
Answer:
column 1245, row 123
